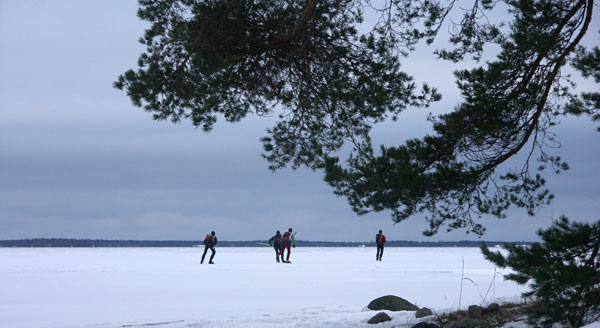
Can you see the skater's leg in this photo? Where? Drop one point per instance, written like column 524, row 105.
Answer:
column 204, row 254
column 276, row 253
column 379, row 252
column 282, row 252
column 289, row 248
column 212, row 256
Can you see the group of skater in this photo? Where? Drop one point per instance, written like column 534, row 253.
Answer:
column 280, row 244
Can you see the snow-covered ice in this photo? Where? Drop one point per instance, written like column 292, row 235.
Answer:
column 167, row 287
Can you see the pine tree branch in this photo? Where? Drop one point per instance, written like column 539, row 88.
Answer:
column 201, row 33
column 550, row 81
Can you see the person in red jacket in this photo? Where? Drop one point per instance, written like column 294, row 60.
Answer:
column 380, row 240
column 286, row 242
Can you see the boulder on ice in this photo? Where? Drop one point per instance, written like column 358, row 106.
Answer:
column 475, row 311
column 424, row 312
column 392, row 303
column 492, row 308
column 379, row 317
column 471, row 323
column 426, row 325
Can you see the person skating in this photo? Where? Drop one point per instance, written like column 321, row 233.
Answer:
column 380, row 241
column 209, row 243
column 286, row 243
column 275, row 241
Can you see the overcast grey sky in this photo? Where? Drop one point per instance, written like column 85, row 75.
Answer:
column 77, row 160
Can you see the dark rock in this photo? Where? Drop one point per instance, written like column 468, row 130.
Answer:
column 379, row 317
column 492, row 308
column 424, row 312
column 392, row 303
column 475, row 311
column 471, row 323
column 426, row 325
column 457, row 315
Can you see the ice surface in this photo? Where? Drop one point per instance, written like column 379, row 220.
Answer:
column 167, row 287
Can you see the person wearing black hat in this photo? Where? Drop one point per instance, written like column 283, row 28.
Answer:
column 209, row 242
column 380, row 241
column 275, row 241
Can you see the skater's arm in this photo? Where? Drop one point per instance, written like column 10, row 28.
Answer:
column 271, row 241
column 215, row 239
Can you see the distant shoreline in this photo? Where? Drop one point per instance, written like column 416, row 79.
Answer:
column 66, row 242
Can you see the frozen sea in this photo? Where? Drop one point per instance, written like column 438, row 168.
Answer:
column 167, row 287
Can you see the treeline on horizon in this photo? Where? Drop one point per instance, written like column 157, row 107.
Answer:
column 65, row 242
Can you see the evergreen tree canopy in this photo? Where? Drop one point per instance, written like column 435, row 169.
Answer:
column 564, row 271
column 307, row 63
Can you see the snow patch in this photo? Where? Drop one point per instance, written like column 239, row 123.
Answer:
column 167, row 287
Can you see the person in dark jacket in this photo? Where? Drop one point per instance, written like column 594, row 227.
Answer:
column 380, row 241
column 210, row 241
column 275, row 241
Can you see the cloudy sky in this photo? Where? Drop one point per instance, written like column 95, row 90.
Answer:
column 77, row 160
